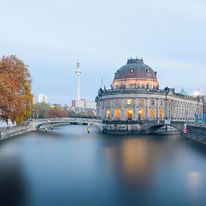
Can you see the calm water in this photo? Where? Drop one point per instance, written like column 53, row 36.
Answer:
column 67, row 167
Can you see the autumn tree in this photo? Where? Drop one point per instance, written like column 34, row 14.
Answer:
column 15, row 90
column 57, row 112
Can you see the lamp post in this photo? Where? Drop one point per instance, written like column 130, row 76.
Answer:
column 37, row 114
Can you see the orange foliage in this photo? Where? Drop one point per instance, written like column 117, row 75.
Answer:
column 15, row 89
column 57, row 112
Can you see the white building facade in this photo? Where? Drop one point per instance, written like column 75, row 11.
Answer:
column 42, row 98
column 135, row 96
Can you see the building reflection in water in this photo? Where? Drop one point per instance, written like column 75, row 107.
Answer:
column 134, row 159
column 194, row 180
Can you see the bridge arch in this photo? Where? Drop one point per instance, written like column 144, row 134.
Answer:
column 178, row 126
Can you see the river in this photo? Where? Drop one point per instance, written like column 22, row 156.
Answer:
column 67, row 166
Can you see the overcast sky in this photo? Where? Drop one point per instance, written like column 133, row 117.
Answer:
column 169, row 34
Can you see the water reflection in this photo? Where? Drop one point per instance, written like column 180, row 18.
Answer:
column 155, row 168
column 135, row 158
column 68, row 166
column 194, row 179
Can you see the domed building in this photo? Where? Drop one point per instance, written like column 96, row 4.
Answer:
column 135, row 74
column 135, row 99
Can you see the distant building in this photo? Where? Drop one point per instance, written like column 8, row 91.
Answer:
column 83, row 105
column 79, row 103
column 34, row 100
column 204, row 104
column 42, row 98
column 56, row 105
column 91, row 105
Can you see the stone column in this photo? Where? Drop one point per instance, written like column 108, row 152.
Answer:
column 103, row 110
column 100, row 109
column 135, row 110
column 166, row 105
column 172, row 109
column 147, row 109
column 122, row 110
column 157, row 109
column 112, row 109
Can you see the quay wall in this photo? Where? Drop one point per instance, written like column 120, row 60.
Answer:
column 196, row 132
column 14, row 131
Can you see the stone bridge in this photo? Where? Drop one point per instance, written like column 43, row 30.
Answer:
column 54, row 122
column 178, row 125
column 46, row 123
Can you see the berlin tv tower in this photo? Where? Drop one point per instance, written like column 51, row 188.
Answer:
column 78, row 72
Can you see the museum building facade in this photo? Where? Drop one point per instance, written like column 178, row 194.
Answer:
column 135, row 97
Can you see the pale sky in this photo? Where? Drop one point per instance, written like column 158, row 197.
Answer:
column 169, row 35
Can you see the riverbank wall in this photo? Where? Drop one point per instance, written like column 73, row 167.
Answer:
column 196, row 132
column 6, row 133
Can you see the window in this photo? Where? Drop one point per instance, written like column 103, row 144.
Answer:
column 129, row 101
column 117, row 114
column 152, row 102
column 161, row 114
column 129, row 114
column 108, row 115
column 140, row 102
column 152, row 114
column 141, row 114
column 117, row 102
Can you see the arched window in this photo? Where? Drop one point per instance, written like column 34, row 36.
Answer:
column 152, row 102
column 161, row 114
column 141, row 114
column 108, row 114
column 128, row 101
column 117, row 102
column 140, row 102
column 152, row 113
column 117, row 114
column 129, row 113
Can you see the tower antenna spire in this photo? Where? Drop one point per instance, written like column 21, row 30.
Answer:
column 78, row 73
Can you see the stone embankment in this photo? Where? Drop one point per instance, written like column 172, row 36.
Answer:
column 17, row 130
column 196, row 132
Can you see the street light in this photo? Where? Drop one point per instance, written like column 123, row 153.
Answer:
column 37, row 114
column 197, row 93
